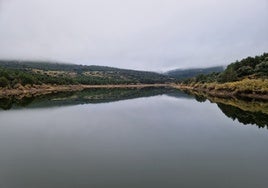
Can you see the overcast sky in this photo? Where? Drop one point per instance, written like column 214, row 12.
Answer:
column 140, row 34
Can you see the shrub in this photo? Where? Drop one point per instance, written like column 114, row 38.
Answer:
column 4, row 82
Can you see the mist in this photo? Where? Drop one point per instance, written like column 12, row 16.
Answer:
column 156, row 35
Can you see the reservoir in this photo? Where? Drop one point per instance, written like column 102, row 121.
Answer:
column 129, row 138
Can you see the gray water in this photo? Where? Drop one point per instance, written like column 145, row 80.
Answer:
column 158, row 141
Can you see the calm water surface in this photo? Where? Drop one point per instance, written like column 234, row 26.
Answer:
column 158, row 141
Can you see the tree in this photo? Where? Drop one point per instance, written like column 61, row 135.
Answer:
column 262, row 68
column 4, row 82
column 26, row 79
column 244, row 71
column 229, row 75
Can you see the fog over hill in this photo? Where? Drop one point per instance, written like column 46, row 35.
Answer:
column 153, row 35
column 192, row 72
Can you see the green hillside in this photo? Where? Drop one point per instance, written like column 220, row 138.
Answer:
column 182, row 74
column 250, row 67
column 27, row 72
column 247, row 78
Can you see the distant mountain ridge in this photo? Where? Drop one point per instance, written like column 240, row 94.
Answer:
column 57, row 66
column 32, row 72
column 192, row 72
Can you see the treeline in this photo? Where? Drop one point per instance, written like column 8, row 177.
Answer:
column 14, row 73
column 250, row 67
column 13, row 78
column 189, row 73
column 43, row 65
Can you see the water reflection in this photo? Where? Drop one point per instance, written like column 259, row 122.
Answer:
column 88, row 96
column 246, row 112
column 245, row 117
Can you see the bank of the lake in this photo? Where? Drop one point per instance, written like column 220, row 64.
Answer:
column 248, row 88
column 47, row 89
column 245, row 105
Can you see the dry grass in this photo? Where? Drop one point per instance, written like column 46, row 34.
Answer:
column 259, row 86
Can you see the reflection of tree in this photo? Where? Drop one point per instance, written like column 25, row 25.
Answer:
column 246, row 112
column 24, row 101
column 196, row 96
column 245, row 117
column 5, row 103
column 200, row 98
column 100, row 95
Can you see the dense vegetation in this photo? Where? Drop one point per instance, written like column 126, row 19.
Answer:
column 251, row 67
column 182, row 74
column 14, row 73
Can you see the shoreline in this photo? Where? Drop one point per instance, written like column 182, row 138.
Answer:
column 223, row 93
column 36, row 90
column 250, row 106
column 44, row 89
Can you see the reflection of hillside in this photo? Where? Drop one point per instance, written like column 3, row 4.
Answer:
column 245, row 117
column 246, row 112
column 85, row 97
column 178, row 94
column 250, row 106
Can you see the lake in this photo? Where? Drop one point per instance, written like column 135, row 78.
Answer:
column 132, row 138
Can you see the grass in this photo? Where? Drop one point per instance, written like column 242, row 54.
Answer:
column 254, row 86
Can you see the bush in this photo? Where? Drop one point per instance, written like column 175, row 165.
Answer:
column 4, row 82
column 262, row 69
column 244, row 71
column 229, row 75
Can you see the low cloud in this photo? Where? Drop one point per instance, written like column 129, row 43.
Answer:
column 142, row 34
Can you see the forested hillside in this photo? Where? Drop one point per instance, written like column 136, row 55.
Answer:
column 247, row 78
column 250, row 67
column 183, row 74
column 13, row 73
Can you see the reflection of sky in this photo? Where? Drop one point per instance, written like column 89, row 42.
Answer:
column 87, row 97
column 146, row 142
column 141, row 34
